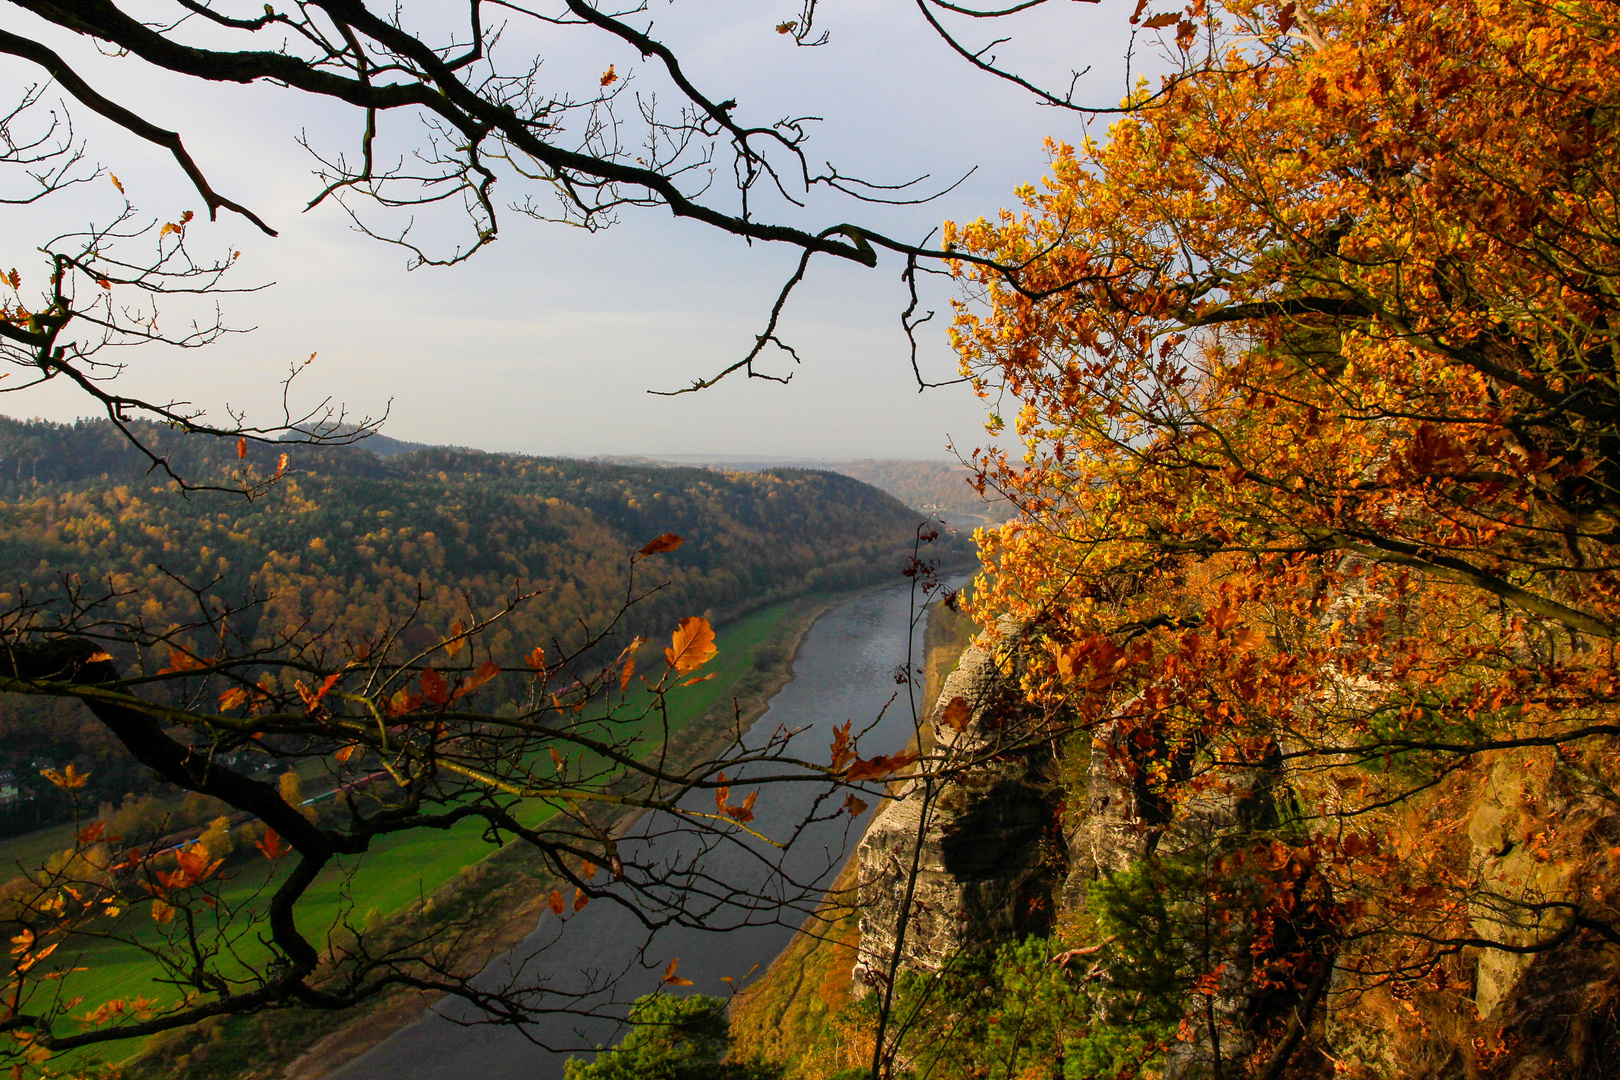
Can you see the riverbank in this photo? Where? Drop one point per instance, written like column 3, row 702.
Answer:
column 501, row 895
column 791, row 1013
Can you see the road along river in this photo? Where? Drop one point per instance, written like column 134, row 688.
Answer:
column 844, row 670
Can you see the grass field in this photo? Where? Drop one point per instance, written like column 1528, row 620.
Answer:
column 397, row 872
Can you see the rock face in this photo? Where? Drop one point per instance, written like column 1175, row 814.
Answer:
column 1536, row 838
column 995, row 844
column 967, row 861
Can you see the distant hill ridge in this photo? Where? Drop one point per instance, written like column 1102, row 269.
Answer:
column 351, row 532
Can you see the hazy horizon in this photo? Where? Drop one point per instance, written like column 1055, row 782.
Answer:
column 549, row 341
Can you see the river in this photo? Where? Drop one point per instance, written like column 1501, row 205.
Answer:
column 844, row 670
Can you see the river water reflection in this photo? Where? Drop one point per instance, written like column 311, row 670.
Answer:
column 844, row 671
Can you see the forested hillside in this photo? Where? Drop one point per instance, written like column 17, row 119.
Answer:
column 347, row 544
column 939, row 485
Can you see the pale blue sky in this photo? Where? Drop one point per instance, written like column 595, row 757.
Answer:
column 547, row 342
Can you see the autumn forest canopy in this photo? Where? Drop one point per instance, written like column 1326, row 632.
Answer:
column 1287, row 744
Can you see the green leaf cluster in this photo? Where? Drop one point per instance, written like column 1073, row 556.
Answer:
column 672, row 1038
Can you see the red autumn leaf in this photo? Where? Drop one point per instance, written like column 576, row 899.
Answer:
column 346, row 753
column 536, row 659
column 691, row 646
column 609, row 77
column 882, row 765
column 787, row 27
column 434, row 688
column 556, row 903
column 91, row 833
column 745, row 812
column 272, row 846
column 326, row 686
column 669, row 978
column 241, row 448
column 629, row 670
column 856, row 807
column 1159, row 22
column 580, row 900
column 195, row 866
column 956, row 714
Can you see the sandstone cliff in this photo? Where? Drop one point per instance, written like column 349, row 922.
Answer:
column 1006, row 841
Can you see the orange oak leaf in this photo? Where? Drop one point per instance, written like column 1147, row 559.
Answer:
column 69, row 779
column 486, row 671
column 691, row 646
column 842, row 751
column 666, row 542
column 456, row 641
column 181, row 660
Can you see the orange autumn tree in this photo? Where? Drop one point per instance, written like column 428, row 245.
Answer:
column 1314, row 356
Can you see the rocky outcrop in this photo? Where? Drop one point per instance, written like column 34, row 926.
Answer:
column 965, row 856
column 1543, row 838
column 1008, row 832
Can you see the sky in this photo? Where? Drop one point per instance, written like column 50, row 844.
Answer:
column 549, row 340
